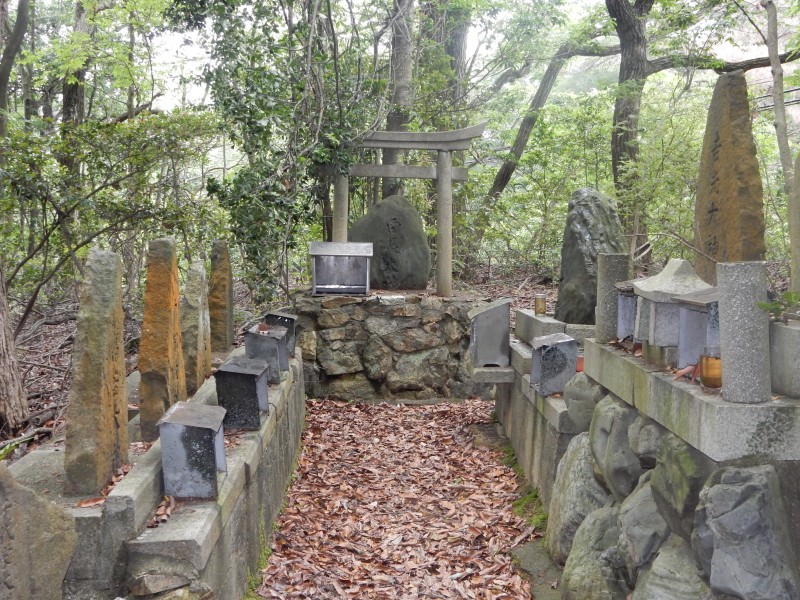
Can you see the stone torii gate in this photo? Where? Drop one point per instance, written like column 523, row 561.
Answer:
column 445, row 143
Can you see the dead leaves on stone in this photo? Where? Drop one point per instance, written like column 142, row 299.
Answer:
column 397, row 502
column 119, row 474
column 163, row 511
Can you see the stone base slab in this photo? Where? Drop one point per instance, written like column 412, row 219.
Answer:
column 719, row 429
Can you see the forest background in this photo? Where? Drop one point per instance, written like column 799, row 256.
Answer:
column 126, row 120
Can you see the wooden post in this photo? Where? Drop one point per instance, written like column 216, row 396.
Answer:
column 444, row 224
column 340, row 207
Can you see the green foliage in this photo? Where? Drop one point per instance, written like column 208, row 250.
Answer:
column 784, row 307
column 530, row 507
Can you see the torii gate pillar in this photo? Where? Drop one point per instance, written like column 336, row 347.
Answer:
column 444, row 142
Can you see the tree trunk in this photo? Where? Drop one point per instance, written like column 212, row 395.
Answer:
column 402, row 95
column 630, row 22
column 13, row 401
column 792, row 200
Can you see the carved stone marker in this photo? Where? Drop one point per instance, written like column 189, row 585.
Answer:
column 287, row 320
column 37, row 539
column 192, row 450
column 220, row 297
column 592, row 227
column 97, row 416
column 160, row 350
column 269, row 344
column 242, row 390
column 490, row 328
column 553, row 363
column 401, row 258
column 195, row 328
column 729, row 212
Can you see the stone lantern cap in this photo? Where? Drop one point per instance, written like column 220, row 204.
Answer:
column 677, row 278
column 700, row 298
column 188, row 414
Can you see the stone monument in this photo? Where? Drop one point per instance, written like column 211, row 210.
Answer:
column 195, row 328
column 401, row 259
column 220, row 297
column 161, row 366
column 729, row 212
column 593, row 227
column 97, row 416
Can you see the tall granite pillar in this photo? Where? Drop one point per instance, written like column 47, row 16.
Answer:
column 444, row 224
column 729, row 211
column 744, row 332
column 220, row 297
column 97, row 415
column 195, row 328
column 611, row 268
column 163, row 379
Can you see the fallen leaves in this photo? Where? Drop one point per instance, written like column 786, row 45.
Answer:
column 119, row 474
column 397, row 502
column 163, row 512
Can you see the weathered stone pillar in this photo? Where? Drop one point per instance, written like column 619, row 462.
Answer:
column 729, row 211
column 744, row 332
column 220, row 297
column 160, row 350
column 611, row 268
column 97, row 416
column 195, row 328
column 444, row 223
column 340, row 207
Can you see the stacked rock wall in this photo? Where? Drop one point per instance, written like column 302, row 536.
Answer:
column 406, row 347
column 638, row 512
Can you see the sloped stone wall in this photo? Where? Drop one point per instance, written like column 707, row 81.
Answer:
column 405, row 347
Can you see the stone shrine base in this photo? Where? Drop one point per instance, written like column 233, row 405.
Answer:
column 388, row 346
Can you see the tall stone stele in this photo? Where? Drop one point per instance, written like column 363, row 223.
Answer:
column 97, row 416
column 220, row 297
column 163, row 379
column 592, row 227
column 195, row 328
column 729, row 211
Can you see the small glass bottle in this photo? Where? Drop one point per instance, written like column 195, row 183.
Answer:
column 539, row 304
column 711, row 367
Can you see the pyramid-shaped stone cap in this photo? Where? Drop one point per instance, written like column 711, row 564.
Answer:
column 482, row 309
column 194, row 415
column 678, row 277
column 699, row 298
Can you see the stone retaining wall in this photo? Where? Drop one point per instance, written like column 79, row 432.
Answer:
column 205, row 546
column 658, row 490
column 405, row 347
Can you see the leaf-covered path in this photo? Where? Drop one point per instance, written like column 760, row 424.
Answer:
column 397, row 502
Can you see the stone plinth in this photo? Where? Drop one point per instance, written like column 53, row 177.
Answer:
column 192, row 450
column 97, row 416
column 195, row 328
column 729, row 211
column 242, row 390
column 160, row 350
column 268, row 343
column 287, row 320
column 387, row 346
column 553, row 363
column 529, row 325
column 220, row 297
column 744, row 332
column 611, row 268
column 491, row 326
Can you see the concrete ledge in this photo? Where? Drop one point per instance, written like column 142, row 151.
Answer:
column 527, row 325
column 721, row 430
column 492, row 374
column 552, row 408
column 521, row 356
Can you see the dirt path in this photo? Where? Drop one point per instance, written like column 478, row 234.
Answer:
column 397, row 502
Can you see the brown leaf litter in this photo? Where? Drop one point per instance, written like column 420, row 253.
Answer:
column 397, row 502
